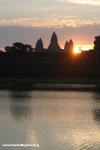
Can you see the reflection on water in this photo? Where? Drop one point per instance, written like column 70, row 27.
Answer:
column 96, row 113
column 96, row 110
column 56, row 120
column 20, row 105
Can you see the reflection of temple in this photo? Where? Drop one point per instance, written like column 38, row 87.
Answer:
column 96, row 104
column 20, row 105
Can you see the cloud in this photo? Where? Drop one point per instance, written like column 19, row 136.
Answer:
column 80, row 35
column 84, row 2
column 28, row 30
column 55, row 22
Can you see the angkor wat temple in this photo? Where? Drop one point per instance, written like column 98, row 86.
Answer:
column 22, row 61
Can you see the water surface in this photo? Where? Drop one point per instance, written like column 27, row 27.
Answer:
column 56, row 120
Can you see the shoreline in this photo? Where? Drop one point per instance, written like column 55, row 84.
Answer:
column 49, row 84
column 52, row 80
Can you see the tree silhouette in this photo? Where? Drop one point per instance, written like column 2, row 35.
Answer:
column 28, row 48
column 54, row 46
column 18, row 47
column 9, row 49
column 39, row 46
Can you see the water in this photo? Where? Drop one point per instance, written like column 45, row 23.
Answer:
column 56, row 120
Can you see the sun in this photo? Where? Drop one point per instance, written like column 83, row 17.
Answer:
column 77, row 50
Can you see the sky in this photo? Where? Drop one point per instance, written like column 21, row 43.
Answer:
column 28, row 20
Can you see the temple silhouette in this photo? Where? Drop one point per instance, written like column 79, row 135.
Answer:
column 23, row 61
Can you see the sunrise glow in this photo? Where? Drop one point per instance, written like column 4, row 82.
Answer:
column 79, row 48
